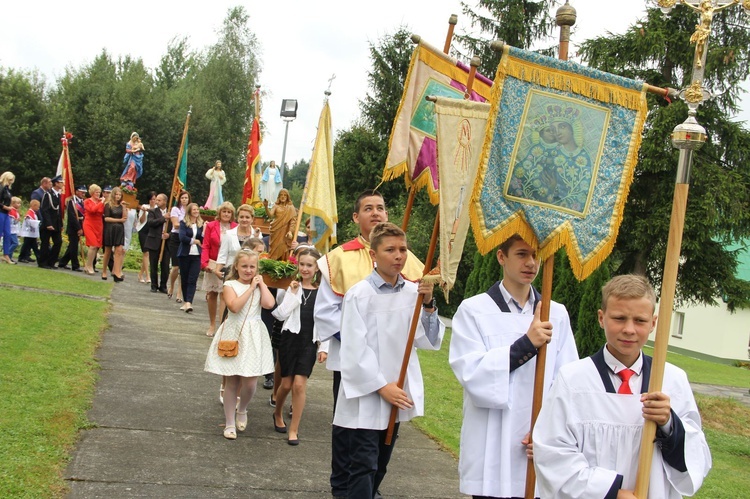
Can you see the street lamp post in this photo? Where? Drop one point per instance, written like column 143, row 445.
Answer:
column 288, row 113
column 687, row 137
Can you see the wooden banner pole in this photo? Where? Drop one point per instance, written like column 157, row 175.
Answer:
column 565, row 18
column 174, row 177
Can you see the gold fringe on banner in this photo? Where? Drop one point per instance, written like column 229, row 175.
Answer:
column 563, row 235
column 570, row 82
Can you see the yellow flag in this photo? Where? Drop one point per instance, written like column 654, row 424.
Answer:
column 320, row 192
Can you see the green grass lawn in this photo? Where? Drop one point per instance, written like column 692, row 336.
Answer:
column 701, row 371
column 726, row 423
column 47, row 375
column 65, row 281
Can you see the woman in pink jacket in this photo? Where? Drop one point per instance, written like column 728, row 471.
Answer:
column 213, row 279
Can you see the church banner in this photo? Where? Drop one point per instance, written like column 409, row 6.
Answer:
column 460, row 134
column 320, row 191
column 412, row 149
column 558, row 158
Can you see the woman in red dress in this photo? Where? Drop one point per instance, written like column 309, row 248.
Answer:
column 93, row 225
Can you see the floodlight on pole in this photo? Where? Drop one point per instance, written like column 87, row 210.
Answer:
column 288, row 113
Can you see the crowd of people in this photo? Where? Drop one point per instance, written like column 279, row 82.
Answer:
column 350, row 307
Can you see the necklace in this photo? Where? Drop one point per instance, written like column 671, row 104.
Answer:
column 306, row 297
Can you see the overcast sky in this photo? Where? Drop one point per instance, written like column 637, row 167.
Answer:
column 303, row 43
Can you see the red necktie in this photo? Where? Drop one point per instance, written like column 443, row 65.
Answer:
column 625, row 375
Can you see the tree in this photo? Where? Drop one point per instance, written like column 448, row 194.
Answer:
column 588, row 333
column 24, row 128
column 390, row 64
column 658, row 50
column 222, row 97
column 520, row 23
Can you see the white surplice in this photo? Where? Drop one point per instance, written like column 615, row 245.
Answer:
column 497, row 402
column 584, row 437
column 377, row 326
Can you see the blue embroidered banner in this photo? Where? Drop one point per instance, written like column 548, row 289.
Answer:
column 560, row 148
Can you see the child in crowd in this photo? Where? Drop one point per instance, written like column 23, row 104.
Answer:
column 244, row 294
column 15, row 223
column 376, row 315
column 493, row 348
column 273, row 379
column 299, row 343
column 30, row 233
column 587, row 437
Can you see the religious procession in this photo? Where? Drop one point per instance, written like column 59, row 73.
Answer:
column 517, row 314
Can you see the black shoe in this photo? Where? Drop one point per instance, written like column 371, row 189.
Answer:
column 24, row 261
column 117, row 279
column 154, row 290
column 268, row 383
column 278, row 429
column 163, row 290
column 63, row 267
column 79, row 269
column 293, row 441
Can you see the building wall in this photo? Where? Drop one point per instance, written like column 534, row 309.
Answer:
column 712, row 331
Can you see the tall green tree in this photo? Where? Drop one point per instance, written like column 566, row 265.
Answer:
column 588, row 333
column 24, row 128
column 520, row 23
column 222, row 98
column 658, row 50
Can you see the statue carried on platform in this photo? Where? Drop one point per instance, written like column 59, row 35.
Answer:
column 217, row 177
column 283, row 216
column 270, row 184
column 133, row 161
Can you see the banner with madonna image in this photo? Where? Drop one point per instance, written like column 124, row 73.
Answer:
column 558, row 157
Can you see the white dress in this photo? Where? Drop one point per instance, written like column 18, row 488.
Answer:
column 255, row 356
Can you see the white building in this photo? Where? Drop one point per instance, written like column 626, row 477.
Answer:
column 712, row 331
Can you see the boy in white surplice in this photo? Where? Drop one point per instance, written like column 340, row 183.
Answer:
column 376, row 315
column 493, row 350
column 587, row 437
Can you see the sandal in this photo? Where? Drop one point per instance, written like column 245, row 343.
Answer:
column 178, row 300
column 230, row 433
column 241, row 425
column 210, row 332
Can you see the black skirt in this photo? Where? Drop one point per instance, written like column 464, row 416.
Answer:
column 297, row 352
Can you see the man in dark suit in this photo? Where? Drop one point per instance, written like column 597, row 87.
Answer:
column 51, row 226
column 39, row 192
column 74, row 230
column 157, row 221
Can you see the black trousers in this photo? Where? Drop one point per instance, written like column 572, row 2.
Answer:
column 29, row 244
column 368, row 461
column 339, row 448
column 157, row 270
column 71, row 254
column 48, row 254
column 190, row 269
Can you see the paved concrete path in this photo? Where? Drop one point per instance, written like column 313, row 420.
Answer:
column 158, row 422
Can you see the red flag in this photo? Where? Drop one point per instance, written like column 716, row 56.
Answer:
column 65, row 171
column 253, row 156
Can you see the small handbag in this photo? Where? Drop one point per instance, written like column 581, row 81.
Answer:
column 230, row 348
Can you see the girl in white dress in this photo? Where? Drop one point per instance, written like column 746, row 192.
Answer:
column 244, row 294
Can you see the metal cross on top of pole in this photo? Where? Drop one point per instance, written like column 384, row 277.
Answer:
column 687, row 137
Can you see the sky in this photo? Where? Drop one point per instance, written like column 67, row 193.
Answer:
column 303, row 43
